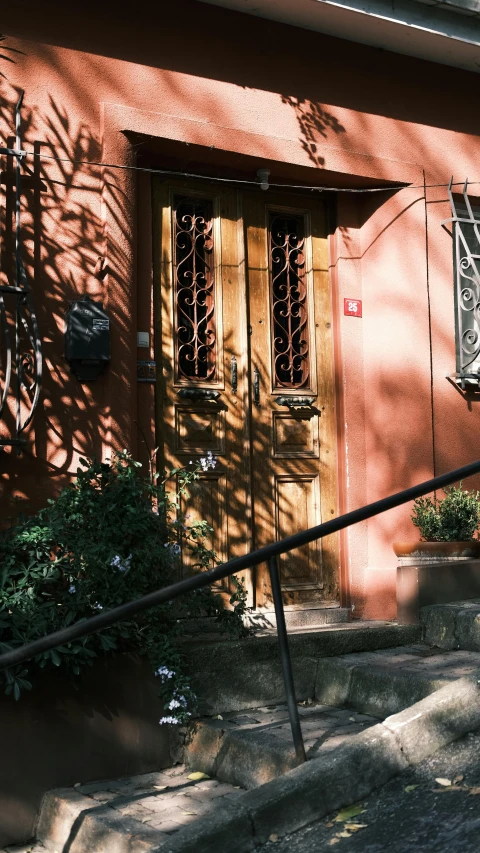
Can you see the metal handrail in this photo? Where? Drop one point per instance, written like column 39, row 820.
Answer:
column 268, row 554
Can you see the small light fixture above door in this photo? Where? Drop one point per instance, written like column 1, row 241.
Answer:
column 262, row 177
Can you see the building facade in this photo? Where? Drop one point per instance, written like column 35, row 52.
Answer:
column 258, row 206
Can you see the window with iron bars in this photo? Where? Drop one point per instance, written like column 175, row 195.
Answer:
column 466, row 259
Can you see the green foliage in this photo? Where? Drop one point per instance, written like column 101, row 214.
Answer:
column 456, row 518
column 111, row 537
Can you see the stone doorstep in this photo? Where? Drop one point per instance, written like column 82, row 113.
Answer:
column 73, row 820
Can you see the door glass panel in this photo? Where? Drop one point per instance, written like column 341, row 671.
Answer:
column 291, row 367
column 195, row 339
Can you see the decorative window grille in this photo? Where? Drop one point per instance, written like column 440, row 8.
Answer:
column 21, row 359
column 195, row 338
column 291, row 368
column 466, row 257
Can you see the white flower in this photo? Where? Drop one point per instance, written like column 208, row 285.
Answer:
column 208, row 461
column 121, row 565
column 97, row 606
column 165, row 673
column 72, row 589
column 172, row 721
column 174, row 704
column 175, row 549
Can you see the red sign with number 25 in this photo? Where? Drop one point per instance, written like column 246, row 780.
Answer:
column 352, row 307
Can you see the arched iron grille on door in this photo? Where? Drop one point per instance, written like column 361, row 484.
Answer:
column 195, row 349
column 289, row 301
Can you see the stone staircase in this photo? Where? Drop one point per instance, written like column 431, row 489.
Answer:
column 352, row 692
column 247, row 784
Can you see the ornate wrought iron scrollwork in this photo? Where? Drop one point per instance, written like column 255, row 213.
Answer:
column 466, row 237
column 22, row 368
column 295, row 402
column 197, row 394
column 194, row 289
column 289, row 302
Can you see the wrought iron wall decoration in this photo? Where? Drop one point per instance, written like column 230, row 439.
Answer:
column 289, row 302
column 466, row 247
column 194, row 289
column 21, row 348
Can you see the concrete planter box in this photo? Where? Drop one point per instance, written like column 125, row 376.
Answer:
column 435, row 582
column 57, row 736
column 421, row 553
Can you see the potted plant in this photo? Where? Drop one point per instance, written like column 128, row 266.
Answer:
column 447, row 528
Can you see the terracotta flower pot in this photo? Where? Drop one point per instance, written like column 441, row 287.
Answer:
column 410, row 553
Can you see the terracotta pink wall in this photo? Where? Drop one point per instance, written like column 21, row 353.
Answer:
column 314, row 109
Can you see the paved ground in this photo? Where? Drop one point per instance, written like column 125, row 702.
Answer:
column 428, row 818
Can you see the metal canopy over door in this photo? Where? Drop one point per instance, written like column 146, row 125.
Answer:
column 243, row 335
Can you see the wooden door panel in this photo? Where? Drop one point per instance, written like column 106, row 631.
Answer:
column 199, row 327
column 205, row 500
column 293, row 447
column 295, row 436
column 199, row 429
column 296, row 508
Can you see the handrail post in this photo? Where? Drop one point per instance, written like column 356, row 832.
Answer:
column 286, row 661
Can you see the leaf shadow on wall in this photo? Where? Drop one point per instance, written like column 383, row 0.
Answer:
column 62, row 241
column 314, row 121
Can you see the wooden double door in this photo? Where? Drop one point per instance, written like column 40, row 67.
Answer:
column 244, row 341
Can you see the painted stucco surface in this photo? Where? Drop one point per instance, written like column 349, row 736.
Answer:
column 235, row 93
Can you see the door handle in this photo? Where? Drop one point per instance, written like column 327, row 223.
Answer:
column 234, row 374
column 256, row 386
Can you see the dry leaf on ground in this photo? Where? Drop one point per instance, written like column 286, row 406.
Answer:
column 273, row 837
column 334, row 841
column 445, row 782
column 197, row 777
column 349, row 812
column 160, row 787
column 343, row 834
column 450, row 788
column 354, row 827
column 329, row 824
column 458, row 779
column 474, row 791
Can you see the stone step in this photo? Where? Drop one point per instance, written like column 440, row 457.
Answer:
column 235, row 675
column 308, row 616
column 301, row 617
column 134, row 815
column 252, row 748
column 452, row 626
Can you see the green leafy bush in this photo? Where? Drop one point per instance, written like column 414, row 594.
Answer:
column 456, row 518
column 112, row 536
